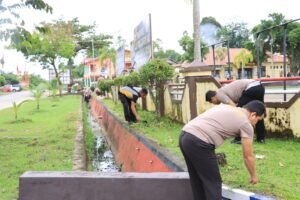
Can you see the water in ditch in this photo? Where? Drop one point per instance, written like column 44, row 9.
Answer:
column 104, row 159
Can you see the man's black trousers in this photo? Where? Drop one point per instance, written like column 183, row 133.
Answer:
column 128, row 114
column 254, row 93
column 202, row 166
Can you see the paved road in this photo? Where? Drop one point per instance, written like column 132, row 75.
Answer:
column 6, row 100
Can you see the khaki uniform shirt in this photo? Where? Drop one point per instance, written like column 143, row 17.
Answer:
column 219, row 123
column 233, row 91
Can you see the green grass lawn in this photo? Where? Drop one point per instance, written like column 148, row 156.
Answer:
column 40, row 141
column 278, row 172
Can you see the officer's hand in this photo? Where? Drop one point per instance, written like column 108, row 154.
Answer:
column 138, row 118
column 254, row 180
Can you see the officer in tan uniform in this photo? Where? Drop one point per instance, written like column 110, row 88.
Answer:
column 239, row 93
column 129, row 95
column 203, row 134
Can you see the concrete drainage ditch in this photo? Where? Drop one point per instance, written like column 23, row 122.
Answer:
column 103, row 160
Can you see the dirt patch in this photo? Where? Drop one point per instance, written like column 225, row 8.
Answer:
column 79, row 153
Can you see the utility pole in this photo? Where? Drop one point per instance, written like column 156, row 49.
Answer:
column 93, row 62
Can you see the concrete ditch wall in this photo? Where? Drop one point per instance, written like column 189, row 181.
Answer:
column 281, row 120
column 104, row 186
column 115, row 186
column 133, row 152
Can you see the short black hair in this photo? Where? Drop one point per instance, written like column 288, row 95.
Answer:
column 209, row 94
column 92, row 88
column 256, row 106
column 144, row 90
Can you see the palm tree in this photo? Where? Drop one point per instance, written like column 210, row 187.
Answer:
column 196, row 25
column 17, row 106
column 38, row 93
column 2, row 61
column 108, row 53
column 242, row 59
column 220, row 54
column 273, row 37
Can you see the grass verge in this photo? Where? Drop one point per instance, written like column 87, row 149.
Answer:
column 278, row 171
column 39, row 141
column 89, row 137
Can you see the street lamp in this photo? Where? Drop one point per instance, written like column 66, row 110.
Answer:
column 93, row 52
column 228, row 56
column 284, row 25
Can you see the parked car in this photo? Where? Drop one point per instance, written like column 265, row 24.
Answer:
column 16, row 87
column 7, row 88
column 12, row 88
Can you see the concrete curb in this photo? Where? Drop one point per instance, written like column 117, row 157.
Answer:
column 79, row 153
column 238, row 194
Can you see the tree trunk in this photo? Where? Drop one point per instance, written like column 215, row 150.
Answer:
column 161, row 100
column 272, row 61
column 196, row 34
column 57, row 77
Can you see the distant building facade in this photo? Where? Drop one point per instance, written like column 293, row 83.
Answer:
column 95, row 70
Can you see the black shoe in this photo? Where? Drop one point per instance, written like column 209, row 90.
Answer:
column 234, row 141
column 261, row 141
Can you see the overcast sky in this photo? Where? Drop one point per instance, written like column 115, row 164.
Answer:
column 169, row 17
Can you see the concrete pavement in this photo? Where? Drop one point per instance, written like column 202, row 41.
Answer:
column 6, row 101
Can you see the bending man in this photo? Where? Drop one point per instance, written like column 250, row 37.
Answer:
column 239, row 93
column 202, row 135
column 128, row 96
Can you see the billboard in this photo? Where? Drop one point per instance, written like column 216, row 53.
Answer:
column 120, row 61
column 141, row 46
column 64, row 77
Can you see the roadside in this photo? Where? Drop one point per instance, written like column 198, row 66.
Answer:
column 7, row 99
column 40, row 140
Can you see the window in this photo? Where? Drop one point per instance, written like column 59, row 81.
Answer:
column 92, row 67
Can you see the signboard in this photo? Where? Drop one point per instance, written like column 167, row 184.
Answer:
column 141, row 46
column 120, row 61
column 103, row 71
column 64, row 78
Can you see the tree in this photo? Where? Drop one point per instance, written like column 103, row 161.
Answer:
column 270, row 40
column 196, row 27
column 236, row 33
column 35, row 80
column 120, row 42
column 221, row 53
column 51, row 45
column 208, row 29
column 155, row 73
column 53, row 87
column 10, row 18
column 187, row 44
column 86, row 39
column 294, row 50
column 2, row 80
column 78, row 71
column 211, row 20
column 10, row 78
column 16, row 107
column 110, row 54
column 2, row 61
column 160, row 53
column 38, row 93
column 242, row 59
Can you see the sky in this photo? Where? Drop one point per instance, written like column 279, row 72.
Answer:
column 170, row 18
